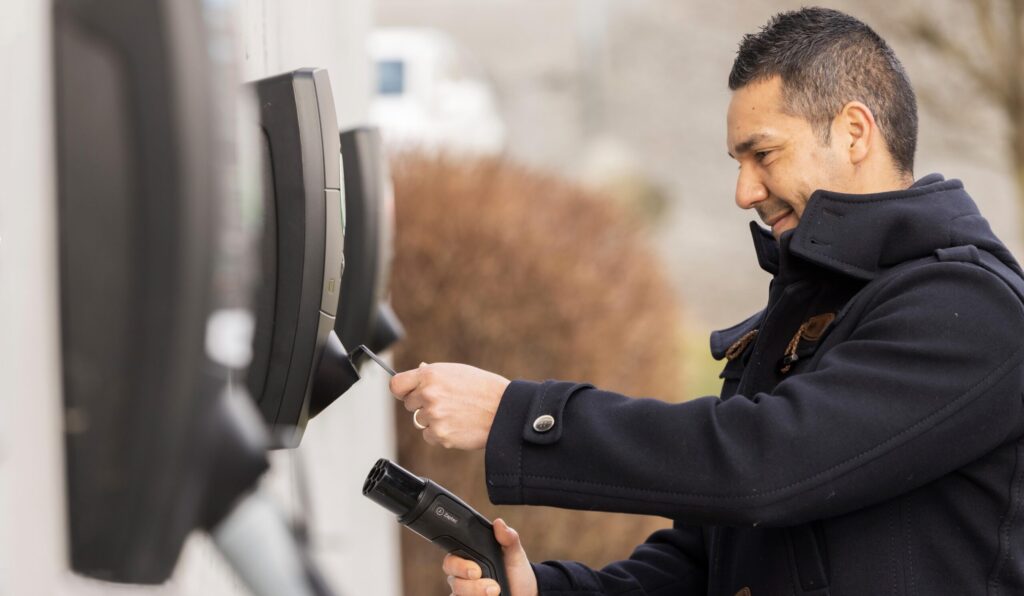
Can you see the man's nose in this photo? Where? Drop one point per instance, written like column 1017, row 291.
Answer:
column 749, row 189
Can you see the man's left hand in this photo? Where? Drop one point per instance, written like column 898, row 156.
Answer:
column 455, row 402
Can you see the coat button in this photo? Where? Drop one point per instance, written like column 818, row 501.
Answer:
column 544, row 423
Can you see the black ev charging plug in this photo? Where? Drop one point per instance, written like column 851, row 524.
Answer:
column 428, row 509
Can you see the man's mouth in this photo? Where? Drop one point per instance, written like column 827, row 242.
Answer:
column 780, row 223
column 777, row 218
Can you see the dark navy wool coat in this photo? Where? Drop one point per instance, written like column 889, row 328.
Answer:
column 867, row 440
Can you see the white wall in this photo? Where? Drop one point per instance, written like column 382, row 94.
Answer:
column 282, row 35
column 31, row 471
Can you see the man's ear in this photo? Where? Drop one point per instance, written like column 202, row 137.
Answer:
column 855, row 126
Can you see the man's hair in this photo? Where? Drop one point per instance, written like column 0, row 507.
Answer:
column 825, row 59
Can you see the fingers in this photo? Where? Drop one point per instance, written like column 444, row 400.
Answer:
column 413, row 401
column 430, row 436
column 464, row 577
column 460, row 568
column 473, row 587
column 406, row 386
column 505, row 535
column 511, row 546
column 404, row 383
column 455, row 404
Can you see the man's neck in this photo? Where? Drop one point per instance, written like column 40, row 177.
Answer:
column 866, row 185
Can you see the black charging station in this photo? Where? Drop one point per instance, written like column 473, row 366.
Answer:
column 155, row 445
column 365, row 316
column 299, row 365
column 159, row 439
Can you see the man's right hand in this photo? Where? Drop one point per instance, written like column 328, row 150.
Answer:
column 464, row 575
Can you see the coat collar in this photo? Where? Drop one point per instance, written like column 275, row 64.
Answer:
column 863, row 235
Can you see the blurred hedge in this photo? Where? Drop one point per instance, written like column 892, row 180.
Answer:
column 531, row 277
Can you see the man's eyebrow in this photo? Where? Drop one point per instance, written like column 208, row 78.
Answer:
column 746, row 145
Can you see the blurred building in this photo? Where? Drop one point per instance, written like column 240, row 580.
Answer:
column 431, row 93
column 639, row 86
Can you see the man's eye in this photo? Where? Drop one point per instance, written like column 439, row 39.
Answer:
column 761, row 155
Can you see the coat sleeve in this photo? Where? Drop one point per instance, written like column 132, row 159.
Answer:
column 928, row 381
column 671, row 561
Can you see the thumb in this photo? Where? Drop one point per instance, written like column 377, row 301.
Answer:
column 403, row 383
column 511, row 547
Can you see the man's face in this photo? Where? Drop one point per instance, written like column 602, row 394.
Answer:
column 781, row 160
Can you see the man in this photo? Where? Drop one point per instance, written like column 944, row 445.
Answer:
column 867, row 439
